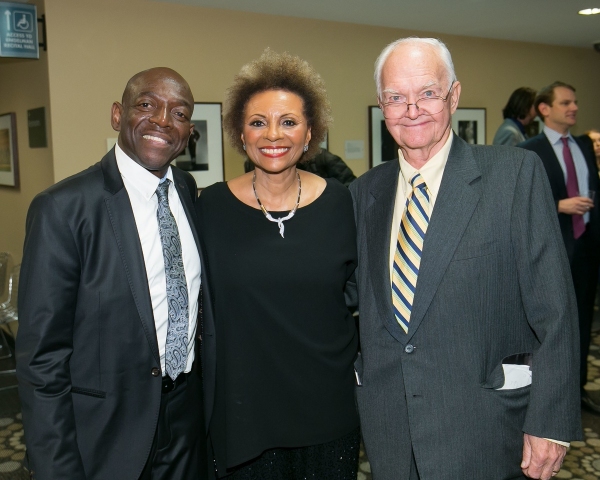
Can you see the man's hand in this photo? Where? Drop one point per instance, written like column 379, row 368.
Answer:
column 575, row 205
column 541, row 458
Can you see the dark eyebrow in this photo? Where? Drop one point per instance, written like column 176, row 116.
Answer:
column 153, row 95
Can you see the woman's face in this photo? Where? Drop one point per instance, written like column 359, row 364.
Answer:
column 595, row 136
column 275, row 130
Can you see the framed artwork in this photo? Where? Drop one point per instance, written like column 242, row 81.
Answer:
column 203, row 156
column 9, row 154
column 536, row 126
column 382, row 146
column 325, row 143
column 469, row 124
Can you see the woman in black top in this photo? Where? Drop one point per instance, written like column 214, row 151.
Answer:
column 281, row 245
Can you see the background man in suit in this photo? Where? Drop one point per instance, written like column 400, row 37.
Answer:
column 463, row 283
column 571, row 167
column 108, row 376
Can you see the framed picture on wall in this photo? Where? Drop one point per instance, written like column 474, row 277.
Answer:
column 9, row 154
column 469, row 124
column 325, row 143
column 535, row 127
column 382, row 146
column 203, row 155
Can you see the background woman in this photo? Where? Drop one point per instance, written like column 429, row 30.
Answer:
column 281, row 245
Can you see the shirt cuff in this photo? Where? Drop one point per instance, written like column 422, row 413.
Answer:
column 564, row 444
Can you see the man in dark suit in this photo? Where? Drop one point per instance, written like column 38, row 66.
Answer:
column 108, row 357
column 467, row 313
column 571, row 167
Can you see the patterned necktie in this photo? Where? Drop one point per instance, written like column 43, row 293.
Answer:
column 572, row 187
column 407, row 259
column 177, row 292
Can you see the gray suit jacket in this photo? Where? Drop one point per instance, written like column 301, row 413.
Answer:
column 494, row 282
column 508, row 134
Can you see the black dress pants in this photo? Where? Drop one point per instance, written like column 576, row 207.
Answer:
column 584, row 270
column 179, row 448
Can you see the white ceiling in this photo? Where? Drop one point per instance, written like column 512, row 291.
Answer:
column 553, row 22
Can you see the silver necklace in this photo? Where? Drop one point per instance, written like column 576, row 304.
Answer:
column 279, row 221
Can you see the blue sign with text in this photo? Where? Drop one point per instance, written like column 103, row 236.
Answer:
column 18, row 30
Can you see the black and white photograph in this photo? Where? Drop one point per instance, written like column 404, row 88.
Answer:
column 469, row 124
column 382, row 147
column 203, row 155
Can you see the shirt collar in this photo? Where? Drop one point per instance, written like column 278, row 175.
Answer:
column 141, row 179
column 519, row 125
column 555, row 136
column 432, row 171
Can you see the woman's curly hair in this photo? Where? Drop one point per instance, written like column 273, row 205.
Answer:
column 278, row 71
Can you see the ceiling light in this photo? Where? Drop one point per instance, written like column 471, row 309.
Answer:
column 589, row 11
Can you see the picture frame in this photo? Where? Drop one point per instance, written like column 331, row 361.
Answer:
column 325, row 143
column 535, row 127
column 9, row 152
column 469, row 124
column 382, row 146
column 203, row 157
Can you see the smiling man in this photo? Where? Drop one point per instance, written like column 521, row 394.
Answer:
column 107, row 357
column 467, row 314
column 571, row 167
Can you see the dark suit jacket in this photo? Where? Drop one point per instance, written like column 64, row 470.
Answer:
column 87, row 354
column 541, row 145
column 493, row 282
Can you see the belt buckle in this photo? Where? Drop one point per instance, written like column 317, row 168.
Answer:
column 168, row 385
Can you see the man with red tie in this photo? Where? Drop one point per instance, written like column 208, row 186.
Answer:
column 571, row 168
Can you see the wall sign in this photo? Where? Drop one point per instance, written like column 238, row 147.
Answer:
column 18, row 30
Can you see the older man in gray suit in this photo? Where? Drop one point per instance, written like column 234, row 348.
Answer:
column 469, row 364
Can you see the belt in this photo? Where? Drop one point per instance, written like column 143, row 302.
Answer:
column 169, row 385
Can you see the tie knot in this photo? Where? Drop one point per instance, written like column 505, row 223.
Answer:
column 565, row 141
column 162, row 191
column 418, row 182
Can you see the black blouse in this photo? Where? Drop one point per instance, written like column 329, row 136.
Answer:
column 285, row 339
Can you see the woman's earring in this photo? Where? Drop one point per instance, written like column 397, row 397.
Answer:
column 305, row 148
column 244, row 147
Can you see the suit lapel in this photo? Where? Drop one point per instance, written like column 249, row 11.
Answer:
column 453, row 209
column 552, row 164
column 379, row 223
column 124, row 228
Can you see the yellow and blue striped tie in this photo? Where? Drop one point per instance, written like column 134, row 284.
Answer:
column 409, row 248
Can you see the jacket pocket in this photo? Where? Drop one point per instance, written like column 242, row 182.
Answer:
column 89, row 392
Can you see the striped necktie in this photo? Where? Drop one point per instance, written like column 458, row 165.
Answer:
column 409, row 247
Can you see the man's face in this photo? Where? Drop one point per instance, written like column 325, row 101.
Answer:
column 562, row 114
column 154, row 120
column 413, row 72
column 595, row 136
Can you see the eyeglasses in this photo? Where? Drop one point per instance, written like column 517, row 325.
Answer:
column 394, row 106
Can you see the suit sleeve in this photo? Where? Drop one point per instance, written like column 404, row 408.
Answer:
column 549, row 301
column 47, row 304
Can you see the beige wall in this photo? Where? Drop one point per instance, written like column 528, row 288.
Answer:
column 95, row 46
column 24, row 86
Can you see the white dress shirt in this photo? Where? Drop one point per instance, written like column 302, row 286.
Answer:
column 141, row 187
column 581, row 168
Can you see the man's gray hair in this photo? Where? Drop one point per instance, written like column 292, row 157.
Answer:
column 441, row 48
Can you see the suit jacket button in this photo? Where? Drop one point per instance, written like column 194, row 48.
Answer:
column 409, row 348
column 155, row 372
